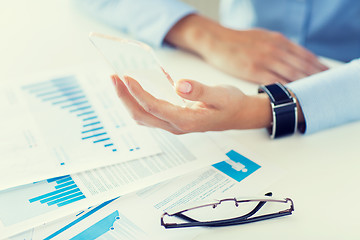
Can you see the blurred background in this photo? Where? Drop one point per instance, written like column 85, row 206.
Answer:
column 206, row 7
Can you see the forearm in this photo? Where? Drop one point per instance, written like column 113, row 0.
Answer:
column 194, row 33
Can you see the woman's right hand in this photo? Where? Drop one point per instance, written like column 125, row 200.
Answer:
column 257, row 55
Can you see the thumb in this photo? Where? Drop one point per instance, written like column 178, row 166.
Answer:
column 195, row 91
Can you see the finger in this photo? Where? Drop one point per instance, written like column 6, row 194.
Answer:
column 308, row 56
column 185, row 119
column 163, row 110
column 137, row 112
column 195, row 91
column 124, row 95
column 299, row 51
column 285, row 70
column 299, row 63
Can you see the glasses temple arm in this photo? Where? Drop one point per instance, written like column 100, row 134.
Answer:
column 228, row 222
column 184, row 217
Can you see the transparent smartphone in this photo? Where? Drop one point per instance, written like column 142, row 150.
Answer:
column 137, row 60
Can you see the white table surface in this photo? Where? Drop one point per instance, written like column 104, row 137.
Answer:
column 322, row 170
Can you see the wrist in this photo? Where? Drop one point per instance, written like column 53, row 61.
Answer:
column 256, row 113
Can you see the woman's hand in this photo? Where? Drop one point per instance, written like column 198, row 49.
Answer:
column 256, row 55
column 216, row 108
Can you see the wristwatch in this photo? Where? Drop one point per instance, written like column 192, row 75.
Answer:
column 284, row 110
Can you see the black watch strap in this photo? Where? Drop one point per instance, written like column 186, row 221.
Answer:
column 283, row 108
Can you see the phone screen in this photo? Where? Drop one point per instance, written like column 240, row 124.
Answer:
column 137, row 60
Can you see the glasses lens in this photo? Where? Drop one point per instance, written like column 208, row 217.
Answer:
column 229, row 209
column 225, row 210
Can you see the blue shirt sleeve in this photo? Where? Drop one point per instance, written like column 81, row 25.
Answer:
column 148, row 21
column 330, row 98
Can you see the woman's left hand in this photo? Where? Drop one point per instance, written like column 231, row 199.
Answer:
column 216, row 108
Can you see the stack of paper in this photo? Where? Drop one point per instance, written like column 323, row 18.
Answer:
column 75, row 166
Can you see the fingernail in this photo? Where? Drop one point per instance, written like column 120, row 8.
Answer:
column 184, row 87
column 113, row 80
column 126, row 78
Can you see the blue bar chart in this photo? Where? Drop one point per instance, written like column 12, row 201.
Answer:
column 65, row 192
column 66, row 94
column 38, row 198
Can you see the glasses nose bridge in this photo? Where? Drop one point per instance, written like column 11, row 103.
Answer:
column 236, row 202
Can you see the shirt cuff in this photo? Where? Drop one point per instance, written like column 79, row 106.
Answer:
column 155, row 33
column 329, row 98
column 148, row 21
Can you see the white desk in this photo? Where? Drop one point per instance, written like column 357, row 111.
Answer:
column 321, row 169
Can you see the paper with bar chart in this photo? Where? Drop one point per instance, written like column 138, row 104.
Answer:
column 58, row 197
column 106, row 223
column 121, row 219
column 37, row 199
column 64, row 124
column 103, row 221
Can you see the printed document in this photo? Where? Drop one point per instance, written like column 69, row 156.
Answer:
column 65, row 123
column 24, row 207
column 137, row 216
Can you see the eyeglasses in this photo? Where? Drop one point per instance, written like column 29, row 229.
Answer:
column 228, row 212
